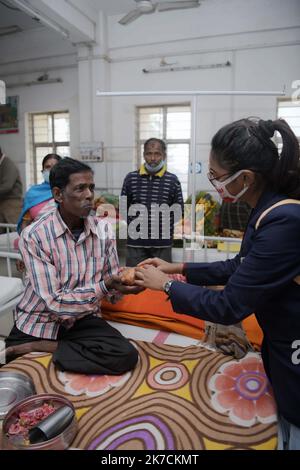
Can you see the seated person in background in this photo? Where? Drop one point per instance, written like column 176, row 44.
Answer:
column 38, row 199
column 71, row 264
column 10, row 191
column 234, row 218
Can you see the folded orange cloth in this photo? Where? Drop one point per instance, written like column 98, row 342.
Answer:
column 253, row 331
column 151, row 309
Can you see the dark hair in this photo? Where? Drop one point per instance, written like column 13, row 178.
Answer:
column 247, row 144
column 154, row 139
column 60, row 173
column 50, row 156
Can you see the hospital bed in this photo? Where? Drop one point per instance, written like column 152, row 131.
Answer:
column 11, row 284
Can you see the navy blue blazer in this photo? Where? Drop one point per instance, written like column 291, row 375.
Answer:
column 259, row 279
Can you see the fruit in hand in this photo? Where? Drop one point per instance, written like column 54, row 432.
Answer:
column 127, row 276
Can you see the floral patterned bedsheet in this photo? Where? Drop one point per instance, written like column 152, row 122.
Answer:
column 175, row 399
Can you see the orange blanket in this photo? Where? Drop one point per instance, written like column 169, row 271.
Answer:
column 151, row 309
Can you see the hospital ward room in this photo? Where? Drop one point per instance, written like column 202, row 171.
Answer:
column 149, row 228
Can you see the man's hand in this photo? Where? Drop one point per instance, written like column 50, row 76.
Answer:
column 164, row 266
column 151, row 277
column 20, row 265
column 115, row 283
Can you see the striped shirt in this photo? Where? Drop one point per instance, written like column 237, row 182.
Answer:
column 150, row 193
column 65, row 278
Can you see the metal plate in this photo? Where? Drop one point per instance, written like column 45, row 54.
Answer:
column 14, row 387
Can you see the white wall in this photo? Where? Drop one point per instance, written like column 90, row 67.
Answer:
column 263, row 68
column 24, row 57
column 212, row 18
column 261, row 38
column 33, row 99
column 20, row 51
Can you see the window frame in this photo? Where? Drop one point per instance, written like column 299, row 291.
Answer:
column 53, row 144
column 140, row 142
column 281, row 101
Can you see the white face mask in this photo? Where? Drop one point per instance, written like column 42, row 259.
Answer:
column 46, row 174
column 154, row 168
column 223, row 191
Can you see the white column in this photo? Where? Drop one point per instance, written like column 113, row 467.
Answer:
column 101, row 79
column 94, row 115
column 85, row 97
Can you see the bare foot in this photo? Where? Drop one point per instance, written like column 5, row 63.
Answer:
column 5, row 354
column 33, row 346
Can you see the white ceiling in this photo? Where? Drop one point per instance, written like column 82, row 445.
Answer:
column 114, row 7
column 12, row 16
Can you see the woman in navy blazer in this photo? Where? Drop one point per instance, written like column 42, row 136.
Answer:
column 264, row 277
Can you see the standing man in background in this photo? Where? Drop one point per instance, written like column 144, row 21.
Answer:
column 154, row 191
column 11, row 191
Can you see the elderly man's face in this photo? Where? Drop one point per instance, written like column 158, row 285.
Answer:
column 76, row 199
column 153, row 153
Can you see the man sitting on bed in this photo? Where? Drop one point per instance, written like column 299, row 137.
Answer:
column 71, row 264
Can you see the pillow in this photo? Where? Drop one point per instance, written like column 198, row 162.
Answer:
column 11, row 287
column 8, row 246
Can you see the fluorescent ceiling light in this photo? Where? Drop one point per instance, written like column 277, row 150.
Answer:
column 36, row 14
column 5, row 30
column 34, row 82
column 190, row 92
column 177, row 68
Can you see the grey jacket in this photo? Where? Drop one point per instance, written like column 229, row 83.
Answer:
column 10, row 181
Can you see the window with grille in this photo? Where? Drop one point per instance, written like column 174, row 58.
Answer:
column 171, row 123
column 50, row 133
column 289, row 111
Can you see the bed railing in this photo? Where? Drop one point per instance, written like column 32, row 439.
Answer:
column 7, row 250
column 199, row 248
column 191, row 248
column 8, row 229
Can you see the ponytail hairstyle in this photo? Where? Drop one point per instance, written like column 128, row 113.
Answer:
column 246, row 145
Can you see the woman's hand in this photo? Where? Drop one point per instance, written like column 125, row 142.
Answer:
column 164, row 266
column 150, row 277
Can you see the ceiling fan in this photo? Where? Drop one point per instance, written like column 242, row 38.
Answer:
column 144, row 7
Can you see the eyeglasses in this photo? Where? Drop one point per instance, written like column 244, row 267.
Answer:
column 212, row 178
